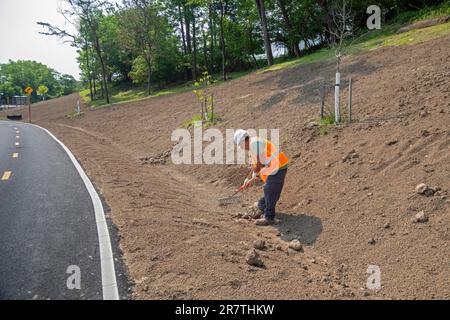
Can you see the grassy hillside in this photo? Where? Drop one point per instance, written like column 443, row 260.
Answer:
column 389, row 35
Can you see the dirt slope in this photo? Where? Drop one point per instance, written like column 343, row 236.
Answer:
column 349, row 214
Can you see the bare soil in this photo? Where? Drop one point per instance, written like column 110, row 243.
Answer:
column 348, row 214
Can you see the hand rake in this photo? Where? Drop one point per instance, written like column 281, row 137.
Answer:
column 233, row 198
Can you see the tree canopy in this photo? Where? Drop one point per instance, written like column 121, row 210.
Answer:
column 15, row 76
column 159, row 42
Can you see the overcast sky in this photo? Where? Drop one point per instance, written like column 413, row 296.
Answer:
column 20, row 38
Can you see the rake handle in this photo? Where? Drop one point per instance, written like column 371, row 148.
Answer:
column 241, row 188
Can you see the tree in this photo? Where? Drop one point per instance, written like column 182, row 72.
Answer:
column 85, row 14
column 223, row 13
column 158, row 42
column 68, row 83
column 293, row 40
column 42, row 91
column 343, row 28
column 267, row 43
column 139, row 22
column 15, row 76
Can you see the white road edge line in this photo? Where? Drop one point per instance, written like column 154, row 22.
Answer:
column 109, row 282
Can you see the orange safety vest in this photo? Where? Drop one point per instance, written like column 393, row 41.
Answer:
column 276, row 160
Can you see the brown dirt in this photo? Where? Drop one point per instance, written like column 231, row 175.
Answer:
column 178, row 243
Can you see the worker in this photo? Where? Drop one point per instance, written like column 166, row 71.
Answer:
column 270, row 165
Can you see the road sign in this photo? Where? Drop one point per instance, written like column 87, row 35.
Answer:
column 28, row 90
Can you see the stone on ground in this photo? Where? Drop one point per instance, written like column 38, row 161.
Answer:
column 425, row 190
column 295, row 245
column 252, row 258
column 259, row 244
column 420, row 217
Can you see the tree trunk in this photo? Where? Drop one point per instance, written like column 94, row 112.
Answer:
column 102, row 62
column 89, row 72
column 267, row 45
column 102, row 90
column 194, row 42
column 182, row 29
column 211, row 45
column 91, row 93
column 292, row 40
column 205, row 51
column 250, row 38
column 328, row 20
column 149, row 80
column 222, row 39
column 105, row 84
column 188, row 32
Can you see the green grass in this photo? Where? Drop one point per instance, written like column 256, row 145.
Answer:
column 326, row 121
column 424, row 14
column 206, row 123
column 387, row 36
column 384, row 38
column 119, row 95
column 191, row 122
column 400, row 39
column 320, row 55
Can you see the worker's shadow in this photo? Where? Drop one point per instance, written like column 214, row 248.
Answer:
column 299, row 226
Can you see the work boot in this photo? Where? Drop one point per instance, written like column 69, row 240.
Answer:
column 254, row 213
column 266, row 222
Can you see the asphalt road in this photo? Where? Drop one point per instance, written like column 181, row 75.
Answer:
column 47, row 222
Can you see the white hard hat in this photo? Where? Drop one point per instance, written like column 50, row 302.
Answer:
column 239, row 136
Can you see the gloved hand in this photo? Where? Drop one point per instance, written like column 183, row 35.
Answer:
column 248, row 181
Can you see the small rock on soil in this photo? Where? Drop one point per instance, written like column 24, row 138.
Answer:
column 252, row 258
column 423, row 189
column 351, row 156
column 259, row 244
column 295, row 245
column 420, row 217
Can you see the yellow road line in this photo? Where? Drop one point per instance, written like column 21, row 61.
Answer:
column 6, row 175
column 15, row 155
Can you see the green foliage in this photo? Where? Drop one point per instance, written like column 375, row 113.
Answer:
column 15, row 76
column 42, row 91
column 191, row 122
column 209, row 121
column 201, row 87
column 425, row 13
column 68, row 84
column 328, row 120
column 168, row 43
column 165, row 62
column 123, row 93
column 205, row 98
column 139, row 70
column 117, row 62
